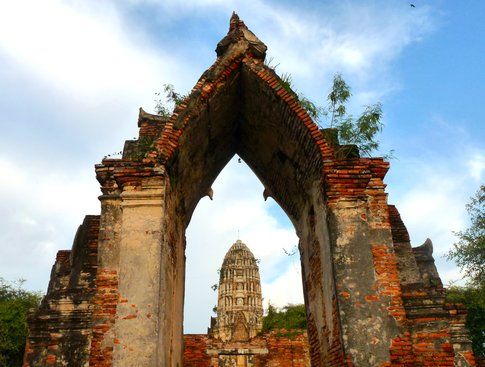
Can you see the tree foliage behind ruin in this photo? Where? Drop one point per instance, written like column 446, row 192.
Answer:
column 473, row 297
column 289, row 317
column 469, row 251
column 15, row 303
column 469, row 254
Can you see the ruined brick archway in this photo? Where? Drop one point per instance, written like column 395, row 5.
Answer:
column 371, row 300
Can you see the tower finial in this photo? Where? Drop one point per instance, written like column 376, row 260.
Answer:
column 234, row 22
column 241, row 36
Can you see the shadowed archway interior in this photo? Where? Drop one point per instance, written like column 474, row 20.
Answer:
column 243, row 115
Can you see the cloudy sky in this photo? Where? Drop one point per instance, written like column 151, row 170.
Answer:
column 73, row 74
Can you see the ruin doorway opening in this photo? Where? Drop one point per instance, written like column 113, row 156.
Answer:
column 244, row 117
column 336, row 205
column 238, row 211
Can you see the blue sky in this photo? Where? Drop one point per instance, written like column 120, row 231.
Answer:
column 73, row 74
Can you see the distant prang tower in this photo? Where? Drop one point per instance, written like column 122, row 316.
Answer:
column 239, row 304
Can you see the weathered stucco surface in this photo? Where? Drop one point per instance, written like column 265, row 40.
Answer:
column 371, row 299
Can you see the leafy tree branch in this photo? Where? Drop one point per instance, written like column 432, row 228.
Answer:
column 167, row 100
column 469, row 251
column 361, row 131
column 469, row 254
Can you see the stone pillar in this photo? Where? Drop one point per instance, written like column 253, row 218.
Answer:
column 106, row 297
column 318, row 283
column 109, row 231
column 367, row 282
column 140, row 258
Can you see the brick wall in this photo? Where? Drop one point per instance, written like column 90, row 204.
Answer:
column 284, row 348
column 60, row 330
column 195, row 350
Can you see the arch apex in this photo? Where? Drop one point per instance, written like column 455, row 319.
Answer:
column 241, row 37
column 234, row 21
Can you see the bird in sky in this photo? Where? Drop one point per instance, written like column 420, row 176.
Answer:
column 412, row 5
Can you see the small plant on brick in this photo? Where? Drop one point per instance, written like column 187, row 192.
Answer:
column 288, row 334
column 144, row 145
column 113, row 155
column 166, row 101
column 312, row 109
column 361, row 131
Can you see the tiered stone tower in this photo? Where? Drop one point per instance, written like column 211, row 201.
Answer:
column 239, row 305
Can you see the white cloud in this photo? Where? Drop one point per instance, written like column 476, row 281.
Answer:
column 84, row 51
column 432, row 200
column 312, row 43
column 434, row 208
column 286, row 288
column 476, row 165
column 354, row 38
column 70, row 69
column 41, row 211
column 434, row 179
column 451, row 275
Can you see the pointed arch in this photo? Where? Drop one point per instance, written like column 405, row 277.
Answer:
column 337, row 205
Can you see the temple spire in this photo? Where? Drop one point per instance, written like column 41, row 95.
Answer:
column 234, row 21
column 239, row 306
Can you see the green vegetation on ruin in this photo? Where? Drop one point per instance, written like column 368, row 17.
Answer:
column 360, row 131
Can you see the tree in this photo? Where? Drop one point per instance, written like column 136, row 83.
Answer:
column 473, row 298
column 290, row 317
column 15, row 303
column 361, row 131
column 469, row 254
column 469, row 251
column 164, row 106
column 337, row 98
